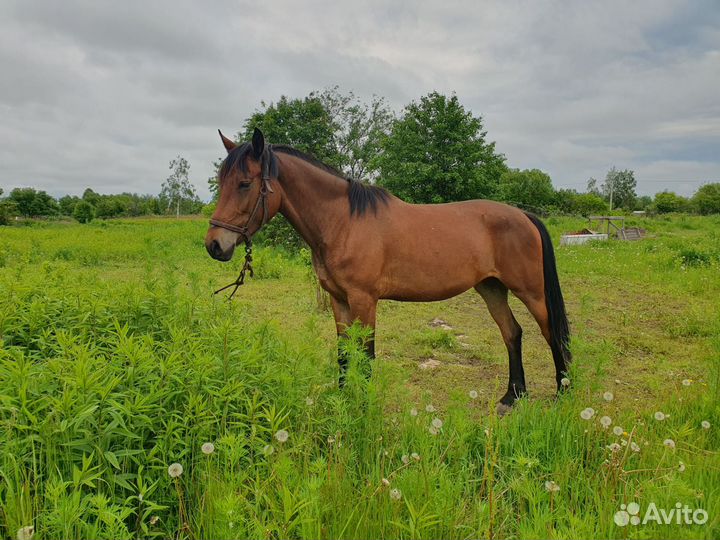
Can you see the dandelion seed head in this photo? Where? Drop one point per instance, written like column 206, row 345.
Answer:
column 26, row 533
column 681, row 466
column 660, row 416
column 281, row 435
column 385, row 482
column 669, row 443
column 608, row 396
column 429, row 408
column 705, row 424
column 413, row 412
column 405, row 459
column 175, row 470
column 551, row 486
column 565, row 382
column 605, row 421
column 433, row 430
column 437, row 423
column 617, row 430
column 415, row 456
column 687, row 382
column 473, row 394
column 395, row 494
column 208, row 448
column 587, row 414
column 634, row 446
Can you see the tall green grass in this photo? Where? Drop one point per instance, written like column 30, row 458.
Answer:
column 116, row 362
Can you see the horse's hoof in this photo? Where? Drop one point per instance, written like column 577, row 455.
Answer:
column 503, row 409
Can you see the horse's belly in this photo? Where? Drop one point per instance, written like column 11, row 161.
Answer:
column 428, row 295
column 430, row 280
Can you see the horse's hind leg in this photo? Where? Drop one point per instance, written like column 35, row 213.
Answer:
column 495, row 295
column 537, row 307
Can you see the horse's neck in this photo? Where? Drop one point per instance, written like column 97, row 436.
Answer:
column 314, row 202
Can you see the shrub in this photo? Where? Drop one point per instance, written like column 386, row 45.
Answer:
column 84, row 212
column 667, row 201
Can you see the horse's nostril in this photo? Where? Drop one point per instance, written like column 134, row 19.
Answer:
column 214, row 248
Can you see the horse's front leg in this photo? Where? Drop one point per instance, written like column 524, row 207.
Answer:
column 357, row 307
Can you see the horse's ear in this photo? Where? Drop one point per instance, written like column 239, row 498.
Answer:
column 258, row 143
column 227, row 143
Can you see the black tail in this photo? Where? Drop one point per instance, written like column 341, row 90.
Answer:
column 559, row 330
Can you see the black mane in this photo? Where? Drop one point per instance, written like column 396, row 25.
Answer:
column 361, row 196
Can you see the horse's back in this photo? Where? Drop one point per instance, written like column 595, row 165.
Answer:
column 431, row 252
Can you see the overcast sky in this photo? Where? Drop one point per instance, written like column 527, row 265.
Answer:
column 105, row 94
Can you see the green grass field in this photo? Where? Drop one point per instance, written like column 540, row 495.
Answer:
column 116, row 361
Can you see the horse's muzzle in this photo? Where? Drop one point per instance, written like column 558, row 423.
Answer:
column 217, row 252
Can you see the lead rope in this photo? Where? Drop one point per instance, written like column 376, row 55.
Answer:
column 247, row 267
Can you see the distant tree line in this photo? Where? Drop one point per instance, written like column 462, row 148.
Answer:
column 176, row 197
column 433, row 151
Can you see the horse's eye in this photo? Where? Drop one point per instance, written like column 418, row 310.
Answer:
column 244, row 185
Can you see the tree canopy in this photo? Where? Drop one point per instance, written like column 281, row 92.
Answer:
column 437, row 152
column 528, row 189
column 668, row 201
column 33, row 203
column 707, row 199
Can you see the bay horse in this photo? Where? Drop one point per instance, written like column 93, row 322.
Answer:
column 368, row 245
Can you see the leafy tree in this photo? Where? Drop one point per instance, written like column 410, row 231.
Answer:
column 358, row 129
column 592, row 187
column 571, row 202
column 707, row 199
column 586, row 204
column 643, row 202
column 437, row 152
column 212, row 181
column 564, row 200
column 90, row 196
column 67, row 204
column 668, row 201
column 177, row 189
column 304, row 124
column 527, row 189
column 84, row 212
column 8, row 209
column 32, row 203
column 110, row 206
column 619, row 188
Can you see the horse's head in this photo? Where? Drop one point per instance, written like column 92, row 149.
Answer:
column 246, row 199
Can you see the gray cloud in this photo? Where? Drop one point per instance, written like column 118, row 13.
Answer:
column 104, row 95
